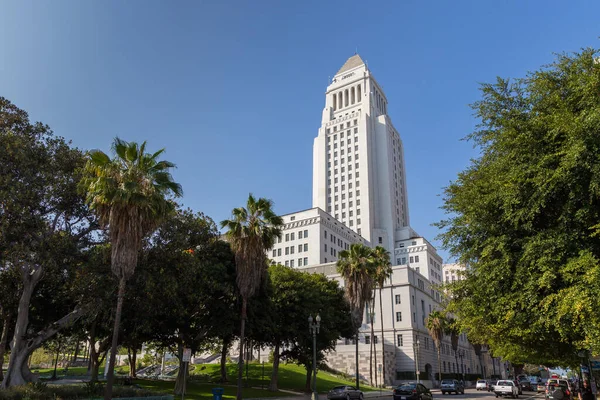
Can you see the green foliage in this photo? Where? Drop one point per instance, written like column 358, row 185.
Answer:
column 525, row 215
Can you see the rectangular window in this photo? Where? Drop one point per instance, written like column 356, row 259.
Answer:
column 380, row 240
column 399, row 340
column 375, row 340
column 278, row 252
column 398, row 299
column 287, row 237
column 305, row 233
column 299, row 262
column 416, row 258
column 305, row 246
column 299, row 234
column 274, row 253
column 411, row 259
column 414, row 317
column 306, row 261
column 325, row 247
column 413, row 299
column 398, row 316
column 287, row 251
column 291, row 249
column 325, row 232
column 403, row 260
column 291, row 263
column 299, row 248
column 367, row 339
column 287, row 263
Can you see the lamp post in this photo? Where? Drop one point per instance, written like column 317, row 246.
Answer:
column 313, row 327
column 417, row 372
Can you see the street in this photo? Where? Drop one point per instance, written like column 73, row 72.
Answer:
column 472, row 394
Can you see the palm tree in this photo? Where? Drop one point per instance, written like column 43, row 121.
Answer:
column 252, row 232
column 357, row 269
column 383, row 271
column 436, row 325
column 131, row 194
column 452, row 330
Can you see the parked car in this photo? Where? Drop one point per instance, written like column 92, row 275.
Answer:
column 345, row 392
column 481, row 384
column 452, row 386
column 412, row 391
column 491, row 385
column 506, row 388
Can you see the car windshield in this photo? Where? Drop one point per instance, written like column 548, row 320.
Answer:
column 505, row 383
column 407, row 386
column 339, row 388
column 480, row 381
column 447, row 382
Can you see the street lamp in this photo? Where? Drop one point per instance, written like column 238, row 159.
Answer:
column 417, row 372
column 313, row 327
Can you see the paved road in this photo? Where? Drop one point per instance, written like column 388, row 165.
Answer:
column 472, row 394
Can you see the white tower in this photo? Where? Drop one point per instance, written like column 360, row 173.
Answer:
column 358, row 158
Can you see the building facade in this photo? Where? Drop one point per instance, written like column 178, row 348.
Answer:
column 358, row 158
column 312, row 237
column 452, row 272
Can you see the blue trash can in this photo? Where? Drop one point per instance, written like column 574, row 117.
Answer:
column 218, row 393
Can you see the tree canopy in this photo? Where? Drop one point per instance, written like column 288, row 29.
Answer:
column 525, row 217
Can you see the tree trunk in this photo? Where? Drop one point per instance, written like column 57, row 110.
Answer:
column 307, row 388
column 241, row 357
column 382, row 340
column 132, row 359
column 56, row 361
column 356, row 354
column 19, row 353
column 226, row 342
column 182, row 373
column 371, row 345
column 115, row 341
column 74, row 359
column 439, row 351
column 3, row 341
column 275, row 372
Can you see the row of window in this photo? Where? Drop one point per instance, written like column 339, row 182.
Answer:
column 292, row 235
column 335, row 128
column 412, row 259
column 342, row 160
column 290, row 250
column 301, row 262
column 346, row 97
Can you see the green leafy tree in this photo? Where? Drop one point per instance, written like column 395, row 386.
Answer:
column 436, row 326
column 357, row 268
column 252, row 231
column 303, row 294
column 131, row 194
column 44, row 229
column 383, row 271
column 524, row 216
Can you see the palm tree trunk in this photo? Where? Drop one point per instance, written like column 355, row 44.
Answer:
column 439, row 363
column 371, row 345
column 241, row 354
column 357, row 373
column 382, row 340
column 115, row 341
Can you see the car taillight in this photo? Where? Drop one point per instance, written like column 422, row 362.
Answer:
column 414, row 390
column 568, row 393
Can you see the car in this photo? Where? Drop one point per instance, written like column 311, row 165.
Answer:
column 345, row 392
column 505, row 387
column 519, row 390
column 412, row 391
column 452, row 386
column 558, row 391
column 482, row 384
column 525, row 385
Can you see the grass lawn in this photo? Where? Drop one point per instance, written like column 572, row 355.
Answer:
column 291, row 376
column 73, row 371
column 196, row 390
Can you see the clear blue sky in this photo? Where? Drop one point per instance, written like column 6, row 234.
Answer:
column 234, row 89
